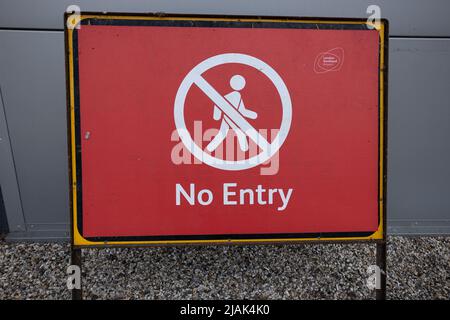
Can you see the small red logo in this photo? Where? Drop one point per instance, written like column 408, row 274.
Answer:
column 330, row 60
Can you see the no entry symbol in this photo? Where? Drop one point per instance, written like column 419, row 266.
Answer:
column 234, row 116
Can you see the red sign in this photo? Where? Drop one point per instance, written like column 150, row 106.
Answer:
column 205, row 129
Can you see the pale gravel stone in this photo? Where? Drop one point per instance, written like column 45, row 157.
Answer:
column 418, row 268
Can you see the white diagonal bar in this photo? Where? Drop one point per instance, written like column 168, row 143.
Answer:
column 232, row 113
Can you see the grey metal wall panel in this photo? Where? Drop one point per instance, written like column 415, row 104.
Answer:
column 407, row 17
column 33, row 88
column 8, row 178
column 419, row 132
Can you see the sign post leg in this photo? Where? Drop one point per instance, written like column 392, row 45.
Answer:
column 381, row 263
column 76, row 260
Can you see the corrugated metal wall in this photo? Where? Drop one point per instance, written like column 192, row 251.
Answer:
column 33, row 151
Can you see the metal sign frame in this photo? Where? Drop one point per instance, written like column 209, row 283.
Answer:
column 143, row 19
column 73, row 122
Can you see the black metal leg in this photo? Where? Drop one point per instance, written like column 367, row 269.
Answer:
column 381, row 263
column 77, row 294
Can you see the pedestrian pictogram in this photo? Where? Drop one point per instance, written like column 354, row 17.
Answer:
column 231, row 110
column 237, row 82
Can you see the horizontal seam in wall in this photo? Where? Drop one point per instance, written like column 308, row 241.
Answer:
column 61, row 30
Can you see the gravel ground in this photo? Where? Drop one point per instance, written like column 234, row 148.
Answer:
column 418, row 268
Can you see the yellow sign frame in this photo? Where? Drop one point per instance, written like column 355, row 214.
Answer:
column 73, row 23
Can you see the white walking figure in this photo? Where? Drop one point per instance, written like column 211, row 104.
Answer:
column 237, row 83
